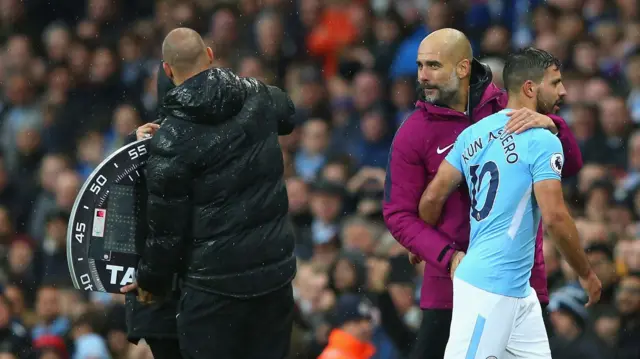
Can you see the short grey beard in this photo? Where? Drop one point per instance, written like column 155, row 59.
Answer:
column 448, row 95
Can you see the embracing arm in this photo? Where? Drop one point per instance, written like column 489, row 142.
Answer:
column 436, row 194
column 168, row 215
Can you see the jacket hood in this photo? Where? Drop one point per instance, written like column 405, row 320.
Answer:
column 210, row 97
column 481, row 78
column 164, row 84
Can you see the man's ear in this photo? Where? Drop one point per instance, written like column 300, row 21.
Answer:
column 210, row 54
column 167, row 70
column 464, row 68
column 529, row 88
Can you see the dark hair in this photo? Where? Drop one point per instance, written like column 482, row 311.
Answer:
column 526, row 64
column 601, row 248
column 634, row 274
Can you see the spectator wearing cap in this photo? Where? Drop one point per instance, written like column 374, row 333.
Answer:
column 353, row 330
column 569, row 319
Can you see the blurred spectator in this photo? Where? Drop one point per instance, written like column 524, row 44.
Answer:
column 76, row 76
column 15, row 338
column 628, row 304
column 50, row 346
column 353, row 331
column 52, row 259
column 569, row 318
column 87, row 342
column 50, row 319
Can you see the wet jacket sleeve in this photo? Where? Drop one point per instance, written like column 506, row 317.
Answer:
column 405, row 181
column 572, row 154
column 168, row 179
column 283, row 108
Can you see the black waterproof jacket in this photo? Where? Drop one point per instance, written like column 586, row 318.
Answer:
column 156, row 320
column 217, row 202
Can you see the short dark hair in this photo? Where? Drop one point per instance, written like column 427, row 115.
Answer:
column 633, row 274
column 526, row 64
column 601, row 248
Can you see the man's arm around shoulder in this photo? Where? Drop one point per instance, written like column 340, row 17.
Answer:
column 405, row 181
column 168, row 213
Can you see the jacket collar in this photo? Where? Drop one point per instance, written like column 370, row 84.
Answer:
column 481, row 78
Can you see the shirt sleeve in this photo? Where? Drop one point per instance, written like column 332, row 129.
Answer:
column 569, row 146
column 547, row 156
column 454, row 157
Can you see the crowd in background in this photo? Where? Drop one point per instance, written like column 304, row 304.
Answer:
column 77, row 76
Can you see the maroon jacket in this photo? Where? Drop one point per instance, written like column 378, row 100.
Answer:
column 420, row 145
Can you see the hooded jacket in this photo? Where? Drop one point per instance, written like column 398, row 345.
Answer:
column 420, row 145
column 217, row 203
column 156, row 320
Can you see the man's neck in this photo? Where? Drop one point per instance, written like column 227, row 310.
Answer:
column 179, row 80
column 463, row 100
column 515, row 104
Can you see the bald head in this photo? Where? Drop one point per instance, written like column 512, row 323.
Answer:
column 444, row 68
column 453, row 44
column 185, row 53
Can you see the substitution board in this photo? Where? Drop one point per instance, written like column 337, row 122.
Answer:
column 108, row 220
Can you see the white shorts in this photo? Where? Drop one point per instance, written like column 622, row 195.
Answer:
column 491, row 326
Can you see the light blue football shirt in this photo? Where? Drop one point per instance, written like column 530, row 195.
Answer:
column 500, row 171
